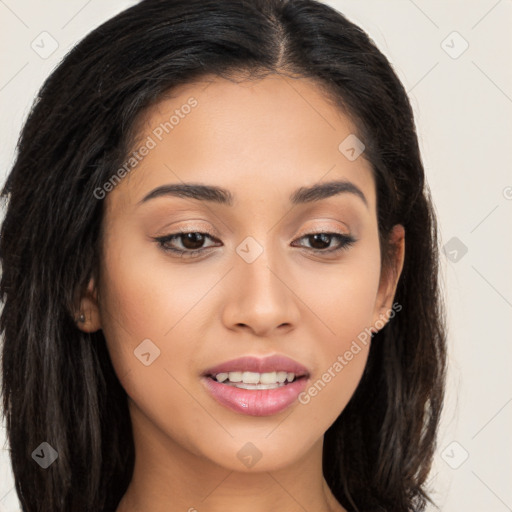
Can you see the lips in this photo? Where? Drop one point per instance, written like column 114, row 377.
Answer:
column 256, row 399
column 274, row 363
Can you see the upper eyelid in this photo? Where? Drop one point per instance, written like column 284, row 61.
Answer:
column 211, row 232
column 311, row 231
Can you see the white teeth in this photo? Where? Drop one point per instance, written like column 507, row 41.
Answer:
column 253, row 378
column 250, row 378
column 268, row 378
column 281, row 377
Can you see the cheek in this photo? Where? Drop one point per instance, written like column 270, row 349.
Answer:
column 139, row 311
column 341, row 357
column 344, row 301
column 341, row 298
column 136, row 312
column 141, row 298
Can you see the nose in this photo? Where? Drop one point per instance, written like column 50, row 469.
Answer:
column 261, row 298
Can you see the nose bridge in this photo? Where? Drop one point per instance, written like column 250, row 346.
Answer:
column 260, row 299
column 258, row 267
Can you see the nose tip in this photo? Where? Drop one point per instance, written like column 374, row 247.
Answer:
column 260, row 301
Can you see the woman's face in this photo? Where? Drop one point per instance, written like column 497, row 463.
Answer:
column 264, row 285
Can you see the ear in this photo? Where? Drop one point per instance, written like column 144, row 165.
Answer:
column 89, row 308
column 389, row 279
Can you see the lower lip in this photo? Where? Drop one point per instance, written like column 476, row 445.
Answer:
column 257, row 402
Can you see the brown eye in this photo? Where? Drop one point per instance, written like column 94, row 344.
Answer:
column 191, row 243
column 320, row 242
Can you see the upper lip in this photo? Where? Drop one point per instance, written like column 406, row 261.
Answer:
column 274, row 363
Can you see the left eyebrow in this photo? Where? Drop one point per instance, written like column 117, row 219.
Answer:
column 223, row 196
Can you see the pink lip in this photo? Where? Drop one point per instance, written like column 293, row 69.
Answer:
column 257, row 402
column 273, row 363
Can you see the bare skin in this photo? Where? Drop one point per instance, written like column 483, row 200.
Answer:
column 262, row 141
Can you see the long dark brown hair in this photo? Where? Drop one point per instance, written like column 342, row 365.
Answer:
column 58, row 384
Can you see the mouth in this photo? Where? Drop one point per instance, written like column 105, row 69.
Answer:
column 256, row 386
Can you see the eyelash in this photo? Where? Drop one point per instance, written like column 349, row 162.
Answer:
column 346, row 242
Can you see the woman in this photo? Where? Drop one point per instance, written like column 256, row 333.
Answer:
column 219, row 270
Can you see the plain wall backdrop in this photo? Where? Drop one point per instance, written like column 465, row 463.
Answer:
column 453, row 58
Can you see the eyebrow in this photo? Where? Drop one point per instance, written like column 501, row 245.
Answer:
column 223, row 196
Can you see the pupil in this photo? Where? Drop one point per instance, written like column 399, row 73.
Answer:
column 323, row 237
column 189, row 237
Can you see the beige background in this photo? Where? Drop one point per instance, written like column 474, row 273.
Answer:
column 463, row 105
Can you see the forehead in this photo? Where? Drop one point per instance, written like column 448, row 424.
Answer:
column 260, row 138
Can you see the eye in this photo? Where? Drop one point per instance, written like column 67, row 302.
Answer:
column 321, row 241
column 192, row 242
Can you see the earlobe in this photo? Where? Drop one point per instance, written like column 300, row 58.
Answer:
column 389, row 280
column 88, row 317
